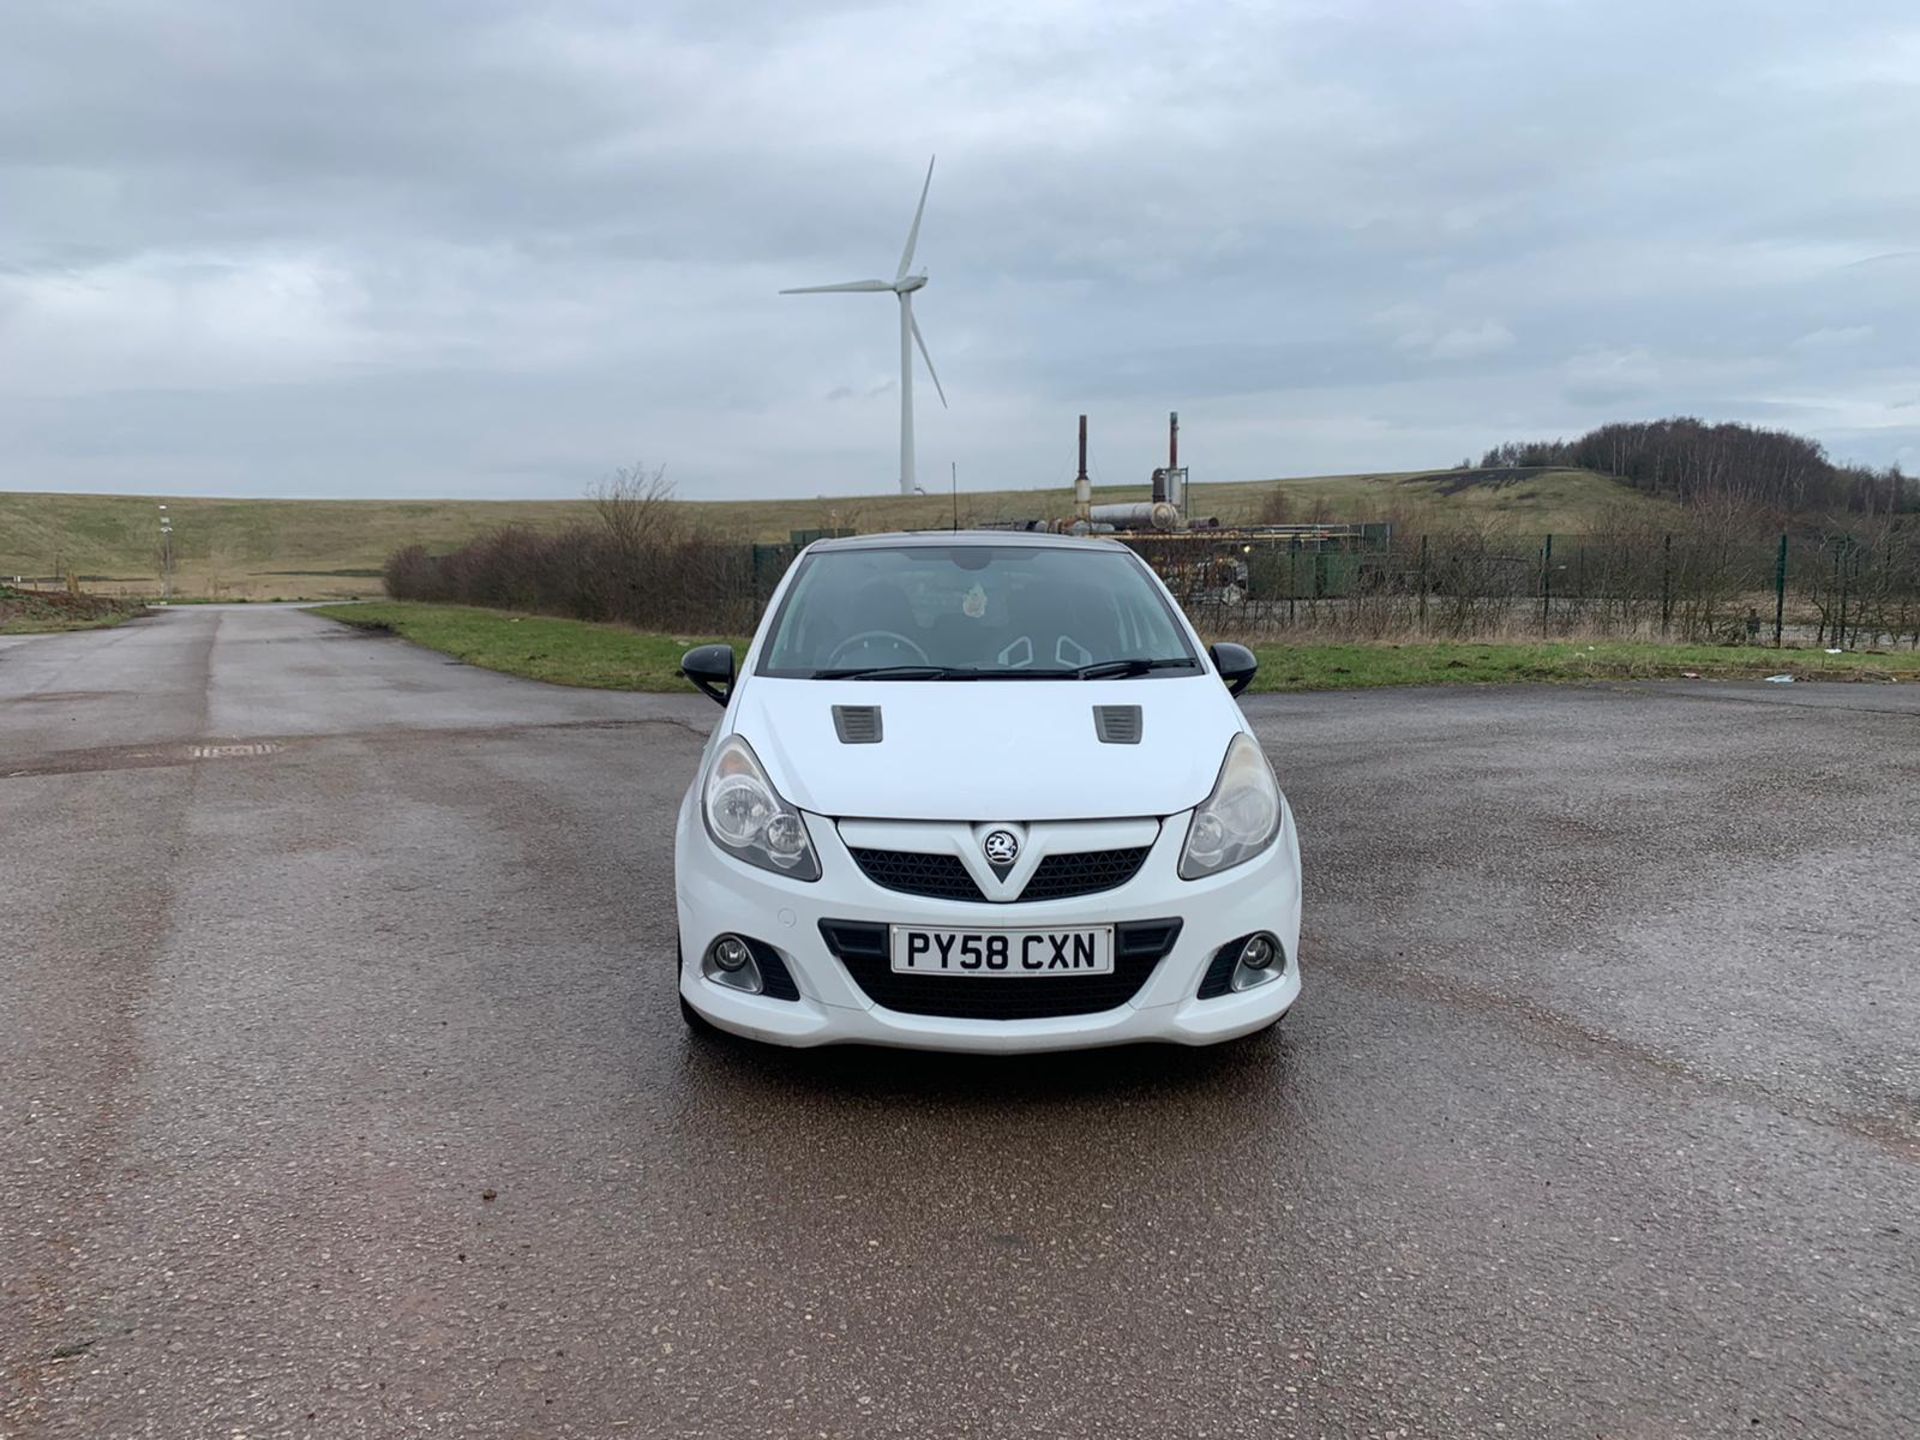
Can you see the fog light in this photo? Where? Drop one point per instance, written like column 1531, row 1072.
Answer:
column 1260, row 959
column 729, row 962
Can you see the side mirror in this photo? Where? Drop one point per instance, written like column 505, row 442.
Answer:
column 710, row 667
column 1237, row 665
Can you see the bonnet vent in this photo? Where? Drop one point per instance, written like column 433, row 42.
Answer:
column 857, row 724
column 1117, row 724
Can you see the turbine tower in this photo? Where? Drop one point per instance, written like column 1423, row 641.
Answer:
column 902, row 285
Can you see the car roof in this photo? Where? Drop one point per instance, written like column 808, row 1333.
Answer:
column 1031, row 539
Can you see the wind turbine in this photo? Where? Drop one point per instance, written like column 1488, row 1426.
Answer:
column 902, row 285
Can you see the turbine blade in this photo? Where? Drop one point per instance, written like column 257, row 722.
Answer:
column 849, row 285
column 921, row 342
column 913, row 235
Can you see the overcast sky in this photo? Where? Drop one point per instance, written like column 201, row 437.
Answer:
column 493, row 249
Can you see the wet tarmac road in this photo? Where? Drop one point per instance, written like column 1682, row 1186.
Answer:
column 344, row 1093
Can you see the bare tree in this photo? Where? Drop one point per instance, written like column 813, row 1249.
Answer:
column 636, row 506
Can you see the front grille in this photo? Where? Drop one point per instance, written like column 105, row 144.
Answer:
column 776, row 981
column 1219, row 977
column 861, row 946
column 939, row 877
column 1057, row 877
column 1085, row 872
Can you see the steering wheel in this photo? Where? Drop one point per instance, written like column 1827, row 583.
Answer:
column 839, row 651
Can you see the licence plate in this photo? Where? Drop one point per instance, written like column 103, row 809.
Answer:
column 1087, row 951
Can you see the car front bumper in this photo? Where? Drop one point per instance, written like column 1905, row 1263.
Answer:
column 718, row 894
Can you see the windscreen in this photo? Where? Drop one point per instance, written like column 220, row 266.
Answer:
column 974, row 612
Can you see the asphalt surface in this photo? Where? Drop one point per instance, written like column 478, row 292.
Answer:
column 343, row 1093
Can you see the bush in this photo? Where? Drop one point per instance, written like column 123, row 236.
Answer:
column 642, row 561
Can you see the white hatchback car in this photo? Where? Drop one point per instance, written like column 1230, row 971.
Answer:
column 982, row 791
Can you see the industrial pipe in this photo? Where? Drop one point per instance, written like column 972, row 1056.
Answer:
column 1138, row 515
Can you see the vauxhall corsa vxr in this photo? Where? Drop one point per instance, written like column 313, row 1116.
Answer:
column 982, row 792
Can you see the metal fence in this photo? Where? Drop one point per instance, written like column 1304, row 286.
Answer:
column 1847, row 589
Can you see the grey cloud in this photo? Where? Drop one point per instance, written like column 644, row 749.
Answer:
column 474, row 245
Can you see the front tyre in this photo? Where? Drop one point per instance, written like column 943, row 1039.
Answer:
column 697, row 1023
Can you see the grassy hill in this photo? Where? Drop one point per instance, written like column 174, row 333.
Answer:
column 323, row 549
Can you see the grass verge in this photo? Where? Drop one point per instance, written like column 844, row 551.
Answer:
column 1440, row 662
column 34, row 612
column 538, row 647
column 610, row 657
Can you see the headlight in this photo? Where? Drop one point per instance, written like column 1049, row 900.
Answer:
column 747, row 818
column 1239, row 819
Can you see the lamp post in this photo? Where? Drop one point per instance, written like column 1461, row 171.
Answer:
column 166, row 557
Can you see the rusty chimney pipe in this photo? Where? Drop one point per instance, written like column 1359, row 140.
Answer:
column 1083, row 487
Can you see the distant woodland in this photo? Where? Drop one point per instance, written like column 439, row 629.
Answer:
column 1694, row 462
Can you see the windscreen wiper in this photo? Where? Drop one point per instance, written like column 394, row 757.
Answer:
column 897, row 672
column 1104, row 670
column 1121, row 669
